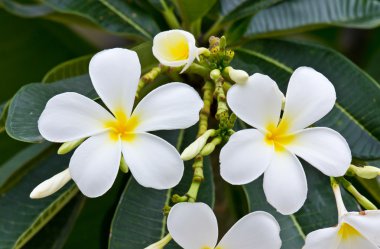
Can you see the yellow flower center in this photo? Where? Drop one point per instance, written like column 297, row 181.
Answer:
column 346, row 231
column 177, row 49
column 278, row 135
column 123, row 127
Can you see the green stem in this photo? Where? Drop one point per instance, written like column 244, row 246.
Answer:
column 222, row 109
column 198, row 178
column 200, row 70
column 148, row 78
column 169, row 16
column 367, row 204
column 208, row 89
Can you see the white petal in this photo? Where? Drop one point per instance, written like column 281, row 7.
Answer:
column 71, row 116
column 368, row 224
column 326, row 238
column 94, row 165
column 172, row 106
column 245, row 157
column 310, row 96
column 257, row 102
column 258, row 230
column 193, row 225
column 285, row 183
column 153, row 162
column 323, row 148
column 356, row 242
column 115, row 74
column 175, row 48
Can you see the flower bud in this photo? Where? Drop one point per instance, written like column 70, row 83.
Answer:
column 215, row 74
column 69, row 146
column 194, row 148
column 210, row 147
column 175, row 48
column 123, row 165
column 239, row 76
column 51, row 185
column 366, row 172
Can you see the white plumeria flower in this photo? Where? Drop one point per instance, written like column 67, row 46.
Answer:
column 194, row 226
column 356, row 230
column 273, row 146
column 94, row 165
column 175, row 48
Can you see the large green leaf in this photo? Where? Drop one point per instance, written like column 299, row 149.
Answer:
column 238, row 9
column 93, row 225
column 356, row 114
column 29, row 102
column 54, row 234
column 301, row 15
column 14, row 168
column 318, row 212
column 25, row 9
column 79, row 66
column 192, row 10
column 139, row 220
column 113, row 15
column 24, row 216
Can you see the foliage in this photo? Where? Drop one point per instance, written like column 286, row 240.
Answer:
column 42, row 56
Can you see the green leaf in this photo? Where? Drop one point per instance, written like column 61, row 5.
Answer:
column 318, row 212
column 3, row 115
column 301, row 15
column 115, row 16
column 139, row 220
column 79, row 66
column 29, row 102
column 25, row 9
column 14, row 168
column 356, row 113
column 238, row 9
column 55, row 232
column 68, row 69
column 93, row 225
column 192, row 10
column 24, row 216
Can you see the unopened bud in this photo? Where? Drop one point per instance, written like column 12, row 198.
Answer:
column 51, row 185
column 123, row 165
column 366, row 172
column 210, row 147
column 69, row 146
column 215, row 74
column 239, row 76
column 194, row 148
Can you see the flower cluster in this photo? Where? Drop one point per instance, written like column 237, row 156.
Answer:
column 116, row 135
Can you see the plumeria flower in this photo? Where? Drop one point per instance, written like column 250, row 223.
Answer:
column 175, row 48
column 356, row 230
column 152, row 161
column 272, row 147
column 194, row 226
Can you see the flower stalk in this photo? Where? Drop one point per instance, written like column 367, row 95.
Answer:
column 363, row 201
column 148, row 78
column 161, row 243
